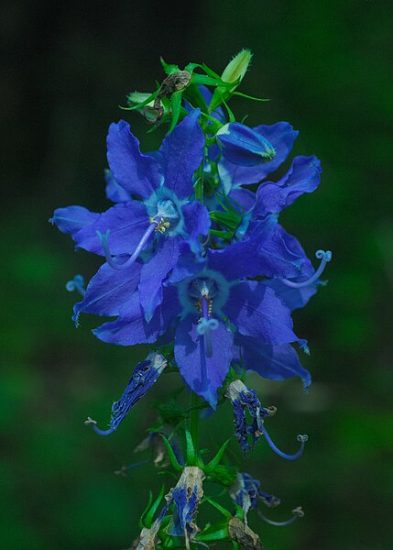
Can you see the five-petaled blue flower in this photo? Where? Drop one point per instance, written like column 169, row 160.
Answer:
column 158, row 216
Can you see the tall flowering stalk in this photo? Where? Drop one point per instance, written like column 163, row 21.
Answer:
column 196, row 263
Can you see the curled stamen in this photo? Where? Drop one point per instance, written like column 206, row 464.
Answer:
column 104, row 238
column 93, row 423
column 297, row 513
column 325, row 257
column 77, row 283
column 205, row 325
column 302, row 438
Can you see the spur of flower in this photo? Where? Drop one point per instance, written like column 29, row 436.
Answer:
column 145, row 232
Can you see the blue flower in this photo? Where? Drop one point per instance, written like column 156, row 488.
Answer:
column 205, row 305
column 278, row 140
column 243, row 146
column 271, row 250
column 144, row 376
column 186, row 497
column 249, row 415
column 246, row 492
column 153, row 227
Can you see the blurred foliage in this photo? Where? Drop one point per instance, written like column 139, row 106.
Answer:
column 325, row 65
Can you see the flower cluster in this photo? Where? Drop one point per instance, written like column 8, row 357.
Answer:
column 195, row 260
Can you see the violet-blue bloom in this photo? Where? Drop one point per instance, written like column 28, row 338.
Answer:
column 206, row 304
column 164, row 216
column 280, row 136
column 145, row 374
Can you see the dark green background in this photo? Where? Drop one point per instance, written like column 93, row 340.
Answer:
column 327, row 67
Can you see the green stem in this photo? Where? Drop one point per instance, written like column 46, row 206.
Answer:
column 194, row 420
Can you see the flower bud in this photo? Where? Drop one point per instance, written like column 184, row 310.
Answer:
column 243, row 145
column 237, row 67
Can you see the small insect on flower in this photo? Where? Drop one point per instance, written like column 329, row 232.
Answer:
column 144, row 376
column 186, row 496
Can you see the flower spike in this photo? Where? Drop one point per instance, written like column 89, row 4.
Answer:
column 325, row 257
column 144, row 376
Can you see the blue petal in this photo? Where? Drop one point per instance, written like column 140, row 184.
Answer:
column 279, row 254
column 126, row 222
column 108, row 291
column 73, row 218
column 131, row 328
column 303, row 177
column 182, row 153
column 204, row 375
column 243, row 197
column 273, row 362
column 293, row 298
column 114, row 191
column 256, row 311
column 241, row 259
column 154, row 272
column 267, row 250
column 281, row 135
column 197, row 224
column 136, row 172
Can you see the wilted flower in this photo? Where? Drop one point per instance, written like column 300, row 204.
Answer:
column 246, row 492
column 246, row 407
column 186, row 497
column 144, row 376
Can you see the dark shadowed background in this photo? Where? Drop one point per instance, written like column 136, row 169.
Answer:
column 327, row 68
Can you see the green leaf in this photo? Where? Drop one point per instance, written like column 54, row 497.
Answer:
column 218, row 507
column 218, row 534
column 145, row 511
column 191, row 455
column 171, row 455
column 224, row 475
column 210, row 467
column 169, row 68
column 149, row 517
column 176, row 109
column 231, row 116
column 241, row 94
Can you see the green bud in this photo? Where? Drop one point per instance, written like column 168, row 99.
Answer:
column 233, row 74
column 237, row 67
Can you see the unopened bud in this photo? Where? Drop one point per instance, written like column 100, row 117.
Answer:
column 237, row 67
